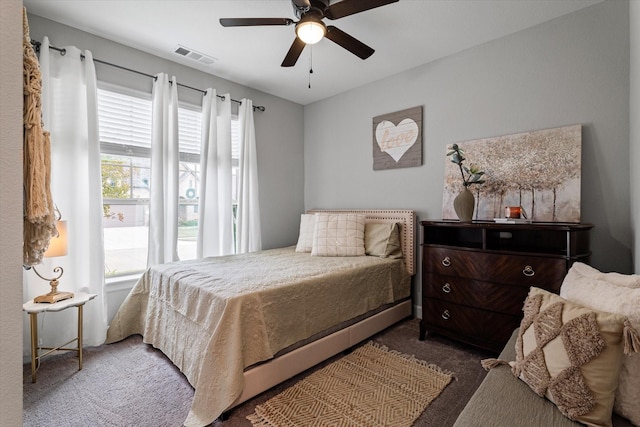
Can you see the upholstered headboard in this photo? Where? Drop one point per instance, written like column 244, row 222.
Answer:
column 405, row 218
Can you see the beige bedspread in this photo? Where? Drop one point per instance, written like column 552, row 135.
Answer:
column 214, row 317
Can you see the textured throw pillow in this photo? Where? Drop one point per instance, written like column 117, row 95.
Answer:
column 583, row 271
column 614, row 293
column 571, row 355
column 338, row 235
column 305, row 237
column 382, row 240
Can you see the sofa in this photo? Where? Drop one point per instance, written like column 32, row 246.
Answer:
column 502, row 400
column 575, row 356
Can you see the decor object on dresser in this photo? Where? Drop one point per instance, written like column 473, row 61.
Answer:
column 397, row 139
column 373, row 386
column 464, row 202
column 538, row 170
column 476, row 275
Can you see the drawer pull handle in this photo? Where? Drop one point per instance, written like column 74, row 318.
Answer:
column 528, row 271
column 446, row 261
column 446, row 288
column 446, row 315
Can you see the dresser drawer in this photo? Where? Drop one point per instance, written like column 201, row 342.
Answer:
column 478, row 325
column 523, row 270
column 476, row 293
column 452, row 262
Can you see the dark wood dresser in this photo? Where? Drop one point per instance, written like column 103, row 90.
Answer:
column 476, row 275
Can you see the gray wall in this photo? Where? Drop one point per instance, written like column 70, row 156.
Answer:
column 11, row 218
column 279, row 129
column 634, row 14
column 572, row 70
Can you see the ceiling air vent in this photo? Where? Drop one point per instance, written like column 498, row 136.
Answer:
column 196, row 56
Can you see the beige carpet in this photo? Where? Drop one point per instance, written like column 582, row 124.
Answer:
column 372, row 386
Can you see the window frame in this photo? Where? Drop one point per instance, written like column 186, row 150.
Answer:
column 133, row 150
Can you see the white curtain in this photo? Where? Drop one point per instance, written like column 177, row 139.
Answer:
column 69, row 110
column 248, row 234
column 215, row 219
column 163, row 199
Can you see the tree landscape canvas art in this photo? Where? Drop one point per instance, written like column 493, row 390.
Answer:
column 538, row 170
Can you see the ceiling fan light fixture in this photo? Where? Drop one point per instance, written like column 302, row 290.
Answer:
column 311, row 31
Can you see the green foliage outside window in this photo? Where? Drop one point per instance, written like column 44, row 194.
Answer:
column 116, row 184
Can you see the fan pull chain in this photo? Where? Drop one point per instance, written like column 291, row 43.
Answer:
column 310, row 64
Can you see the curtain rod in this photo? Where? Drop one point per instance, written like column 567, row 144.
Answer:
column 63, row 52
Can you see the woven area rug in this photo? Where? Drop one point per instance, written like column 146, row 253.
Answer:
column 372, row 386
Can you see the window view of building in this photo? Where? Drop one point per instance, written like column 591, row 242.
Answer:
column 125, row 141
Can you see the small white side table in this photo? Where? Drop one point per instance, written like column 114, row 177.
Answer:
column 34, row 308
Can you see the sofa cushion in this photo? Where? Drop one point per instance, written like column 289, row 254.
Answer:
column 571, row 355
column 614, row 293
column 504, row 400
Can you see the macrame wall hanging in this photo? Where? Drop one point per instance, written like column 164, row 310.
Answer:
column 39, row 212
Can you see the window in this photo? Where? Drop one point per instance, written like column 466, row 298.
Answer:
column 125, row 145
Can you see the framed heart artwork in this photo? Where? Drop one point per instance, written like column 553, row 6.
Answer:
column 397, row 139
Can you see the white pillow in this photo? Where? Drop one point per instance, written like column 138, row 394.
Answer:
column 586, row 271
column 615, row 293
column 305, row 237
column 338, row 235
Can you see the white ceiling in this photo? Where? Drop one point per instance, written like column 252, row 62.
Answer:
column 404, row 35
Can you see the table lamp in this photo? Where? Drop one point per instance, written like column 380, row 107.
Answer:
column 57, row 247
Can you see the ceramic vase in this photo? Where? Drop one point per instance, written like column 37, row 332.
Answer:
column 464, row 204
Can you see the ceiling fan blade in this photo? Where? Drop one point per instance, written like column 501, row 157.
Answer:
column 349, row 7
column 346, row 41
column 249, row 22
column 294, row 53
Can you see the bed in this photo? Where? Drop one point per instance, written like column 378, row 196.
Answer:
column 238, row 325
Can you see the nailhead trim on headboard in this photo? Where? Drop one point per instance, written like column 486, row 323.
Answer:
column 406, row 218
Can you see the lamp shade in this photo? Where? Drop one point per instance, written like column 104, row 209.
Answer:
column 311, row 31
column 58, row 244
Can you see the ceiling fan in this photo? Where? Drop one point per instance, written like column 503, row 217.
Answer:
column 310, row 29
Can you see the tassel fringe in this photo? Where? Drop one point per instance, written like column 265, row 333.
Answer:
column 631, row 338
column 39, row 223
column 488, row 364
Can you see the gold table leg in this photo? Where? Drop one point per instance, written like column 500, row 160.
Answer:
column 80, row 337
column 33, row 320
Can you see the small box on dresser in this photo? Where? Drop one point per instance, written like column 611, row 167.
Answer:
column 476, row 275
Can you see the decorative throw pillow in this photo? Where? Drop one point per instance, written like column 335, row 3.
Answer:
column 614, row 293
column 571, row 355
column 338, row 235
column 305, row 237
column 382, row 240
column 583, row 271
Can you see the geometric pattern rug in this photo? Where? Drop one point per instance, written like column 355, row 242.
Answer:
column 372, row 386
